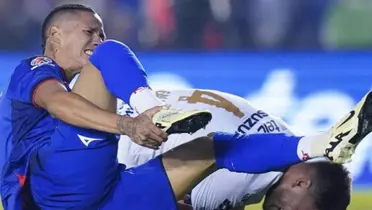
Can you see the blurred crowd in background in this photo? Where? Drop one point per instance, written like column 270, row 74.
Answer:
column 206, row 24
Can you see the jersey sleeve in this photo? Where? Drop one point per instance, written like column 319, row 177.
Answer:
column 28, row 76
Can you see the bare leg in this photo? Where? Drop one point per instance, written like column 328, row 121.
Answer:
column 90, row 85
column 189, row 164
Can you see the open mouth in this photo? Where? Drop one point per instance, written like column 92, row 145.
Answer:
column 88, row 52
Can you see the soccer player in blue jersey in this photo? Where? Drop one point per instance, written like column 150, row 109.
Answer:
column 38, row 94
column 79, row 168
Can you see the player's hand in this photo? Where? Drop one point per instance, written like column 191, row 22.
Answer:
column 144, row 132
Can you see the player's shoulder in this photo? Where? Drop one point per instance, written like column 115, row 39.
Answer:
column 32, row 70
column 34, row 62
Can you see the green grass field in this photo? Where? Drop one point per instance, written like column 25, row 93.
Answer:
column 360, row 201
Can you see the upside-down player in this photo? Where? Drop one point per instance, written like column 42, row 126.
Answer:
column 310, row 185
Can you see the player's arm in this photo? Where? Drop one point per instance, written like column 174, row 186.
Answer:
column 52, row 96
column 76, row 110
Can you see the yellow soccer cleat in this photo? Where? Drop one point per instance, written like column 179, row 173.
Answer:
column 175, row 121
column 346, row 134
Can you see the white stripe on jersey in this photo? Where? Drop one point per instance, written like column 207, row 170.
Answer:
column 230, row 113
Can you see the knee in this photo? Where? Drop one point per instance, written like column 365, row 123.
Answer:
column 112, row 55
column 111, row 47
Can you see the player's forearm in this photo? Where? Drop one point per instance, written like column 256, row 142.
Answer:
column 74, row 109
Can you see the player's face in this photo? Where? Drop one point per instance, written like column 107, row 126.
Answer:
column 79, row 35
column 291, row 192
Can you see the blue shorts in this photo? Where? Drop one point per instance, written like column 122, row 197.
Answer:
column 79, row 170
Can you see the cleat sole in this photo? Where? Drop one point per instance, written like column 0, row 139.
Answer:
column 190, row 124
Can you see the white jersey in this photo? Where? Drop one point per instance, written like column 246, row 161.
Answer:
column 222, row 189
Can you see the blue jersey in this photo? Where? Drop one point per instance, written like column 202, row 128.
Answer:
column 24, row 127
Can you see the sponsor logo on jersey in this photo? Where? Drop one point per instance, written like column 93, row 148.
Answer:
column 40, row 61
column 87, row 140
column 251, row 121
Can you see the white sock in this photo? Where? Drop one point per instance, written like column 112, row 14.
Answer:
column 311, row 146
column 143, row 99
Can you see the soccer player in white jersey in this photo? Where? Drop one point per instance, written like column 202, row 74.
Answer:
column 299, row 185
